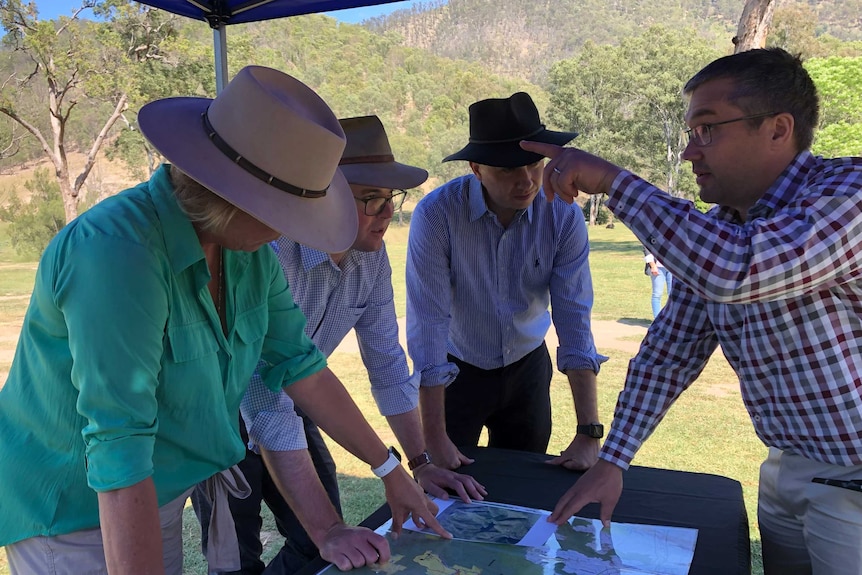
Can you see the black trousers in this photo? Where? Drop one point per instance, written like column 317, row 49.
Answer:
column 298, row 548
column 513, row 402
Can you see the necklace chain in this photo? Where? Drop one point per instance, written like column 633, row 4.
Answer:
column 219, row 287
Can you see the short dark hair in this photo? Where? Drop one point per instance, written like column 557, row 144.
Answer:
column 767, row 80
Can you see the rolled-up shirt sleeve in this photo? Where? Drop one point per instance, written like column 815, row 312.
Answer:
column 116, row 330
column 270, row 418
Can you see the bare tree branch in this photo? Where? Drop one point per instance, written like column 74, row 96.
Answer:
column 122, row 105
column 34, row 131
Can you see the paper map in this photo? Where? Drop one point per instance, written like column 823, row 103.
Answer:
column 497, row 539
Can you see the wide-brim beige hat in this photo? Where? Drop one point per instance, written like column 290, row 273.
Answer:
column 270, row 146
column 368, row 158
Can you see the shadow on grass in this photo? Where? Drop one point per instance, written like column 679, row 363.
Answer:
column 597, row 246
column 640, row 322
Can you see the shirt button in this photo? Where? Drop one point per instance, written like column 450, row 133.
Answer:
column 652, row 240
column 756, row 418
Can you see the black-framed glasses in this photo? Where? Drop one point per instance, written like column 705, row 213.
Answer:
column 701, row 134
column 375, row 206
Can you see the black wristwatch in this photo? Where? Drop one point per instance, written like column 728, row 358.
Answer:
column 594, row 430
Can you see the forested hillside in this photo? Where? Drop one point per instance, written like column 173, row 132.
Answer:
column 611, row 70
column 525, row 38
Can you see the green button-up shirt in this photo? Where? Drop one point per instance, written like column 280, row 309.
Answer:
column 122, row 369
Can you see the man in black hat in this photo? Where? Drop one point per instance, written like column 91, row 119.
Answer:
column 486, row 256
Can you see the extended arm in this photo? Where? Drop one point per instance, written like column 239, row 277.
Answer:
column 583, row 451
column 328, row 404
column 443, row 451
column 340, row 544
column 131, row 532
column 428, row 307
column 784, row 251
column 433, row 479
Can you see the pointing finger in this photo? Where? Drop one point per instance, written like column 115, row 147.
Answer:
column 547, row 150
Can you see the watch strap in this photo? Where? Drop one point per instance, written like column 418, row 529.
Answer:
column 393, row 461
column 422, row 459
column 594, row 430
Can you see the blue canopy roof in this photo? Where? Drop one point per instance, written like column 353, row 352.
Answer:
column 221, row 12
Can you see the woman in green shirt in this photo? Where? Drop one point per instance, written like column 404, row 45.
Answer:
column 149, row 314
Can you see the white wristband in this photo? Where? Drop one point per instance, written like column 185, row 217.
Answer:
column 389, row 465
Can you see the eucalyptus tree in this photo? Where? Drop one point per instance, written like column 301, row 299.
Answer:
column 627, row 103
column 67, row 68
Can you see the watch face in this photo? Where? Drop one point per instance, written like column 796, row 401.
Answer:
column 594, row 430
column 394, row 452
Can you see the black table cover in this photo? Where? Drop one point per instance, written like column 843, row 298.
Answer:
column 712, row 504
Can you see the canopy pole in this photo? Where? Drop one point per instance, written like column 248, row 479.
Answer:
column 220, row 51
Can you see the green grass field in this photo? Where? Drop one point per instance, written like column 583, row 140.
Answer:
column 706, row 431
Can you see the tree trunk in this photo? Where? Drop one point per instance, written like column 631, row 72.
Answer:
column 754, row 25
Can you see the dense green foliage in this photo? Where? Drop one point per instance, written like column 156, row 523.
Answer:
column 33, row 223
column 626, row 101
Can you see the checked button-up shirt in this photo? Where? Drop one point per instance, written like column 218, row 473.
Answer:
column 780, row 293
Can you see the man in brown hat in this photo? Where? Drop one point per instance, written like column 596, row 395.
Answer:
column 339, row 291
column 486, row 256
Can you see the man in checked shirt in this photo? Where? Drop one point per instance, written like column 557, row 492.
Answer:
column 772, row 275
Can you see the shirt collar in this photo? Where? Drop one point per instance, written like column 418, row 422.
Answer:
column 311, row 258
column 784, row 189
column 181, row 242
column 780, row 193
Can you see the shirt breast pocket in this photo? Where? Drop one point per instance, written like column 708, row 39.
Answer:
column 251, row 325
column 192, row 376
column 192, row 342
column 536, row 273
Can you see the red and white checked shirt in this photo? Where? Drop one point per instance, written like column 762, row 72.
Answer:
column 781, row 293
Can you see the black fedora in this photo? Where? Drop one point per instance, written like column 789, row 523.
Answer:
column 497, row 125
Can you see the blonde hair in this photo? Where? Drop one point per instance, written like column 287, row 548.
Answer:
column 207, row 210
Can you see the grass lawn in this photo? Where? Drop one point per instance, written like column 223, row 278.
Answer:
column 707, row 430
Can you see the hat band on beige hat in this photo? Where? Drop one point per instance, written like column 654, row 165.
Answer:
column 249, row 167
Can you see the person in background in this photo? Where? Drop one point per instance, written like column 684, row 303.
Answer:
column 486, row 256
column 338, row 291
column 772, row 275
column 660, row 278
column 149, row 314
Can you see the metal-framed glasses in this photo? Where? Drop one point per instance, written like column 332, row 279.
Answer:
column 701, row 134
column 375, row 206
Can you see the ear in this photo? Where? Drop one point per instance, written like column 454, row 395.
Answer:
column 782, row 130
column 476, row 171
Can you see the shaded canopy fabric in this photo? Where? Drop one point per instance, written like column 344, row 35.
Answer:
column 221, row 12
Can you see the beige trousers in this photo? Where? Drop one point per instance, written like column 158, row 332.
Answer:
column 82, row 553
column 808, row 528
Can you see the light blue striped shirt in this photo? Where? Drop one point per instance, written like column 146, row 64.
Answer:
column 481, row 292
column 335, row 300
